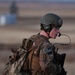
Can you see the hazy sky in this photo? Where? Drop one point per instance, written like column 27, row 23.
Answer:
column 42, row 0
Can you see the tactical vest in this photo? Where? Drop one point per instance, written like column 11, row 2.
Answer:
column 32, row 63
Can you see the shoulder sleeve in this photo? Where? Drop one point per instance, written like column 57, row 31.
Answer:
column 46, row 55
column 46, row 60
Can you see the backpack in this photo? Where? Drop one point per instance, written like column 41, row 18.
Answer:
column 17, row 59
column 14, row 65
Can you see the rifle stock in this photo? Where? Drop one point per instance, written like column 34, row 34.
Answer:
column 60, row 59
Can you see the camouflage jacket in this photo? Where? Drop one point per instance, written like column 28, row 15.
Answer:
column 40, row 60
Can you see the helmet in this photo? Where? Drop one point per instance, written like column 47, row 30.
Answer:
column 49, row 21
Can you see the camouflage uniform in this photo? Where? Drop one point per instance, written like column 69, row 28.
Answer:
column 40, row 59
column 46, row 60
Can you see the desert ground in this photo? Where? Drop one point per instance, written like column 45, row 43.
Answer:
column 28, row 23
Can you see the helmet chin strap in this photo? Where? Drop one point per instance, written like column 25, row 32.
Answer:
column 48, row 34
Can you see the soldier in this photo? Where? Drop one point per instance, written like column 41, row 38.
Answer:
column 13, row 8
column 41, row 54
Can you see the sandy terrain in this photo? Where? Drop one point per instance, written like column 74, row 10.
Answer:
column 14, row 35
column 29, row 25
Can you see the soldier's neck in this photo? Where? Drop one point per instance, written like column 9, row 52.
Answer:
column 44, row 34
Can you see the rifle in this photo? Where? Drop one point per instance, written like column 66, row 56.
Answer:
column 59, row 59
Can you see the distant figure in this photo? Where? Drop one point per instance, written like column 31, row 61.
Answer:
column 13, row 8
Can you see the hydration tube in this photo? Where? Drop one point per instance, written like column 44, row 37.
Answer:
column 63, row 43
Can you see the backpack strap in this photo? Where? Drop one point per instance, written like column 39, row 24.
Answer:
column 33, row 45
column 28, row 45
column 35, row 49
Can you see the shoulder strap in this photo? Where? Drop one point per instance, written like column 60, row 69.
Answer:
column 33, row 44
column 37, row 41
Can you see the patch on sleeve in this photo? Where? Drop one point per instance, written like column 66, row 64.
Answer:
column 46, row 55
column 47, row 48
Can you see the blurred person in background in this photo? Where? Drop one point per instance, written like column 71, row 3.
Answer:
column 40, row 58
column 13, row 8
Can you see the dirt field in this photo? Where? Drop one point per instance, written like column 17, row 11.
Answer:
column 29, row 24
column 14, row 35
